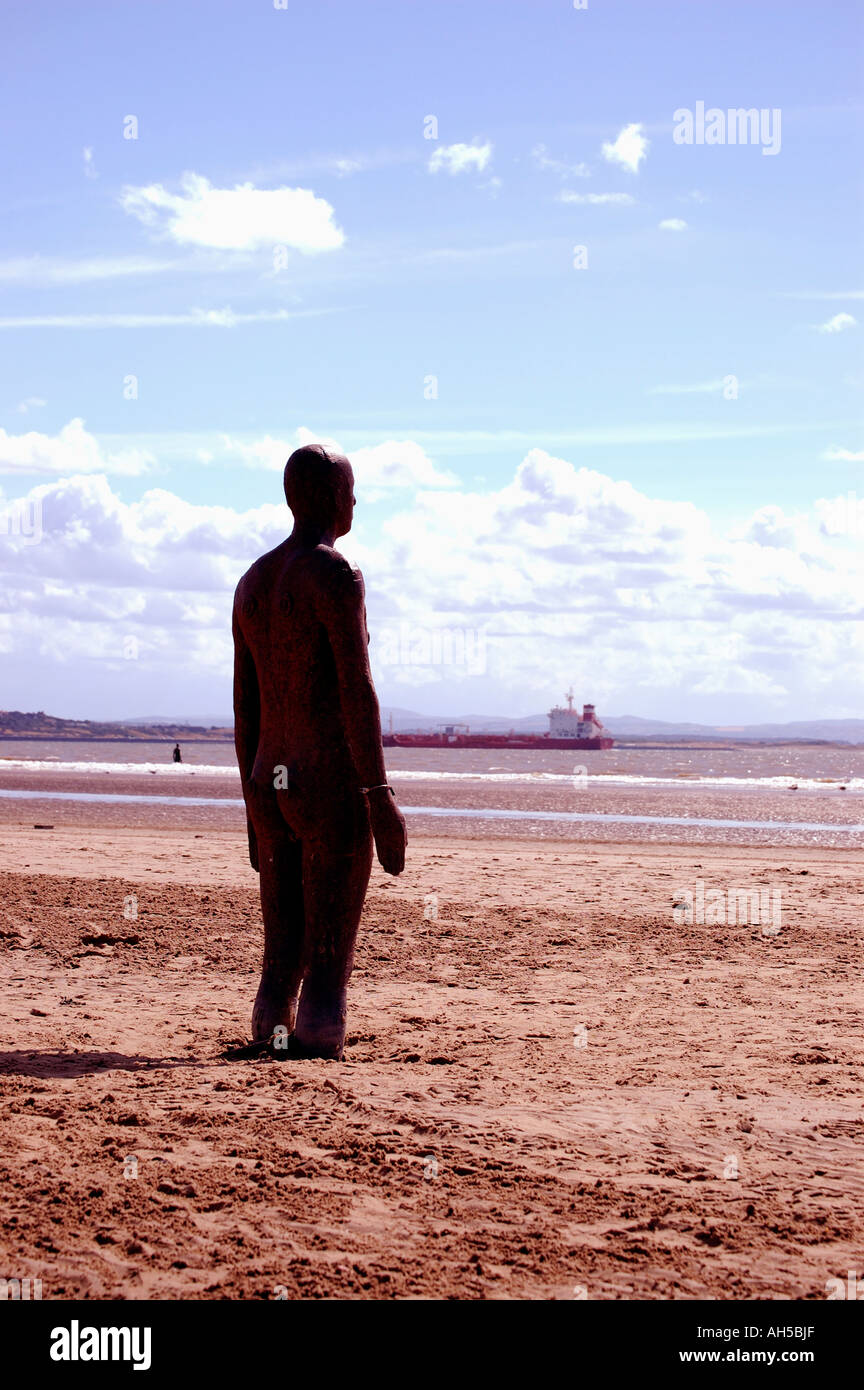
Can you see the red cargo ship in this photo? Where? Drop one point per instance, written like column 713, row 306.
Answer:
column 567, row 729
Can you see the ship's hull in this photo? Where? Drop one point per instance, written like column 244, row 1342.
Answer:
column 535, row 741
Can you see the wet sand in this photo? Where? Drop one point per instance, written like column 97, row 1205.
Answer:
column 552, row 1089
column 784, row 816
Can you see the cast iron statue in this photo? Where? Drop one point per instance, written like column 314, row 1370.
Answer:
column 308, row 738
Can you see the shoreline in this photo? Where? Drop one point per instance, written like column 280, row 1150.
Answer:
column 469, row 805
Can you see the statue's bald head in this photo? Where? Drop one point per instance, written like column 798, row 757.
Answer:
column 319, row 487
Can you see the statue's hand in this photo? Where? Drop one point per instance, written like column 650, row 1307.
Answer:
column 253, row 844
column 388, row 829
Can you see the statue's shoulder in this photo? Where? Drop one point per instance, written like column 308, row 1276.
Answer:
column 334, row 573
column 248, row 583
column 328, row 562
column 259, row 575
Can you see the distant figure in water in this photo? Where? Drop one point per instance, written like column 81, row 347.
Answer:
column 308, row 736
column 176, row 754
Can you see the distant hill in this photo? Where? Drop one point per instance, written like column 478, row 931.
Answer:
column 405, row 719
column 632, row 726
column 622, row 726
column 202, row 721
column 20, row 724
column 834, row 730
column 16, row 724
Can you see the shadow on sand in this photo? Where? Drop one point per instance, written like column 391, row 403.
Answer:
column 62, row 1064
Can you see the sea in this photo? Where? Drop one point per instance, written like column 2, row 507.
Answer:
column 790, row 794
column 813, row 767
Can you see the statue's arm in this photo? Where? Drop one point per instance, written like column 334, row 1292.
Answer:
column 247, row 719
column 343, row 611
column 344, row 616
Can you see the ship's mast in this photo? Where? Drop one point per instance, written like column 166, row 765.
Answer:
column 569, row 698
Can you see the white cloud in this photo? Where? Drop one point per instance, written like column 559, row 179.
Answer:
column 237, row 219
column 837, row 324
column 628, row 148
column 342, row 165
column 543, row 160
column 177, row 448
column 661, row 597
column 345, row 165
column 194, row 318
column 568, row 573
column 72, row 450
column 673, row 224
column 30, row 403
column 266, row 453
column 838, row 455
column 378, row 468
column 461, row 159
column 401, row 464
column 568, row 196
column 89, row 166
column 39, row 270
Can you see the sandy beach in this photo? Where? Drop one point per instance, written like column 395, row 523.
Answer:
column 552, row 1087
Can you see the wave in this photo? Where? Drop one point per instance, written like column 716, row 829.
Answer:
column 181, row 771
column 178, row 770
column 630, row 779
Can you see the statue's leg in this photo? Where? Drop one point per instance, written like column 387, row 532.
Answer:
column 281, row 874
column 334, row 885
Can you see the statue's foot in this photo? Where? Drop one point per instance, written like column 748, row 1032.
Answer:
column 272, row 1011
column 294, row 1050
column 320, row 1027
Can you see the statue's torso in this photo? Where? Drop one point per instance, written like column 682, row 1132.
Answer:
column 279, row 606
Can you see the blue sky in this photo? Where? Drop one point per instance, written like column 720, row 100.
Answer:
column 280, row 249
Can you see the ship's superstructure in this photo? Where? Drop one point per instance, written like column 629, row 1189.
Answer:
column 569, row 723
column 567, row 729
